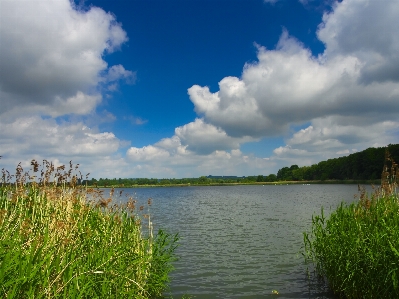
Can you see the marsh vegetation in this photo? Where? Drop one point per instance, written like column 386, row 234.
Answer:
column 61, row 240
column 356, row 249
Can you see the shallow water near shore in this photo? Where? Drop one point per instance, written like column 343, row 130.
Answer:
column 242, row 241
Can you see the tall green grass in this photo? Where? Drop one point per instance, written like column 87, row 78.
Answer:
column 356, row 250
column 61, row 240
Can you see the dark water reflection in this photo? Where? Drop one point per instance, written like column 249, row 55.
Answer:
column 242, row 241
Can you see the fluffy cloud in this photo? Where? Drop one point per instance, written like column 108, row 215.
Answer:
column 51, row 65
column 366, row 30
column 333, row 137
column 36, row 138
column 345, row 99
column 349, row 93
column 194, row 139
column 169, row 158
column 197, row 149
column 147, row 153
column 117, row 72
column 326, row 132
column 289, row 86
column 51, row 139
column 51, row 56
column 232, row 108
column 203, row 138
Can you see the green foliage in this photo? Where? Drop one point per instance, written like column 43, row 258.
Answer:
column 357, row 249
column 203, row 180
column 286, row 173
column 249, row 179
column 55, row 243
column 260, row 178
column 271, row 178
column 365, row 165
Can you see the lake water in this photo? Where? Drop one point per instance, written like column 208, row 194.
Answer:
column 242, row 241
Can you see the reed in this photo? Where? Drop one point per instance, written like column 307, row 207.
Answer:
column 62, row 240
column 356, row 250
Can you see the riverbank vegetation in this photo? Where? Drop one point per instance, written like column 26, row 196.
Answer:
column 359, row 168
column 62, row 240
column 356, row 250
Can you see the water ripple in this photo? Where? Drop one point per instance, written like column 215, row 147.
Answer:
column 242, row 241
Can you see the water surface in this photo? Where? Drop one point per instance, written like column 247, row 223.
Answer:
column 242, row 241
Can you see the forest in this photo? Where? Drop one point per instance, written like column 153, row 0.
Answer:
column 364, row 165
column 360, row 166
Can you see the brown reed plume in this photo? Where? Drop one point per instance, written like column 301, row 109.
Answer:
column 389, row 184
column 389, row 176
column 61, row 239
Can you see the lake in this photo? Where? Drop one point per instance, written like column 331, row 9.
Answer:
column 242, row 241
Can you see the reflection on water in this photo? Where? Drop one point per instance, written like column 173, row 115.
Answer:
column 242, row 241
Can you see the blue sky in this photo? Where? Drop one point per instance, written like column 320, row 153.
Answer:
column 184, row 88
column 176, row 44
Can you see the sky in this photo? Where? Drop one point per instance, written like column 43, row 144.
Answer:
column 186, row 88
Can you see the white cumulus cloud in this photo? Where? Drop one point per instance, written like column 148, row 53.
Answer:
column 349, row 93
column 343, row 100
column 289, row 86
column 346, row 99
column 204, row 138
column 51, row 55
column 52, row 68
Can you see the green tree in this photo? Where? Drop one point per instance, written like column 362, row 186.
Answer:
column 203, row 180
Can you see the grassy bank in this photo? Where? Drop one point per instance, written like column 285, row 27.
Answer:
column 58, row 240
column 356, row 250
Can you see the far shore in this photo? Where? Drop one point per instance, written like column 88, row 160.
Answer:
column 315, row 182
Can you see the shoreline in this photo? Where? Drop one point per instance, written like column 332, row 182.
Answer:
column 317, row 182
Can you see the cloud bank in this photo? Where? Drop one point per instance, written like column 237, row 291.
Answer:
column 347, row 98
column 51, row 56
column 51, row 65
column 53, row 76
column 288, row 86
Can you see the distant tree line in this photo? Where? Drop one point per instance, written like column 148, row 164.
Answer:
column 202, row 180
column 364, row 165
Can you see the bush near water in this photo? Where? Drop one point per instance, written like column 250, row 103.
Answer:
column 356, row 250
column 60, row 240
